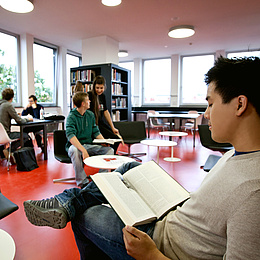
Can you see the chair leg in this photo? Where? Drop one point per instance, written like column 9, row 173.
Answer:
column 9, row 155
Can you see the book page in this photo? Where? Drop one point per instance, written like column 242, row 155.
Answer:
column 125, row 201
column 159, row 190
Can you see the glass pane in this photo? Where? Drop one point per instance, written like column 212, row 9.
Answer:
column 243, row 54
column 8, row 63
column 194, row 68
column 129, row 66
column 72, row 62
column 157, row 82
column 44, row 73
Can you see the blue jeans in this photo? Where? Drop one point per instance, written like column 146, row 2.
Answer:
column 97, row 228
column 76, row 158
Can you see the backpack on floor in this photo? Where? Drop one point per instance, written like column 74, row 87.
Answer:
column 25, row 159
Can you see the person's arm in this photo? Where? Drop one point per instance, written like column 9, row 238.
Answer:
column 110, row 122
column 13, row 114
column 140, row 246
column 74, row 141
column 243, row 230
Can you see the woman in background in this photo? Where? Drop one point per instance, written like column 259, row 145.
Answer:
column 99, row 107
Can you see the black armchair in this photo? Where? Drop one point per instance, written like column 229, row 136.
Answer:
column 60, row 153
column 208, row 142
column 132, row 133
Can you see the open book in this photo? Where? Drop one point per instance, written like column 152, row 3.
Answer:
column 142, row 194
column 106, row 141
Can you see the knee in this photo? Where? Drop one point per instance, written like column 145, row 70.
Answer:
column 74, row 152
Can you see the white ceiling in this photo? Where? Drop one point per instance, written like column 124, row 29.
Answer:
column 141, row 26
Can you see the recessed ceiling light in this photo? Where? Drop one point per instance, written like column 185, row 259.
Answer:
column 17, row 6
column 122, row 53
column 181, row 31
column 111, row 2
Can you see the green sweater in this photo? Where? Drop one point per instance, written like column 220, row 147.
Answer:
column 82, row 126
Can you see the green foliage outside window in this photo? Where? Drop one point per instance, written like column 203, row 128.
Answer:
column 43, row 93
column 7, row 77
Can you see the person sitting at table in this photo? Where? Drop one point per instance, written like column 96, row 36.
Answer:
column 34, row 109
column 81, row 129
column 7, row 113
column 220, row 220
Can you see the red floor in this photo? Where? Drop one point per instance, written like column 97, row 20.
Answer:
column 43, row 243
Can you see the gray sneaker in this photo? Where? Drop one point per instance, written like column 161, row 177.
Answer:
column 47, row 212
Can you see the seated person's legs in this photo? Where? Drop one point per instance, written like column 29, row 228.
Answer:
column 78, row 165
column 26, row 139
column 56, row 212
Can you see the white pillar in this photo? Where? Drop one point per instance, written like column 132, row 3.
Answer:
column 220, row 53
column 137, row 92
column 27, row 69
column 61, row 91
column 99, row 50
column 175, row 82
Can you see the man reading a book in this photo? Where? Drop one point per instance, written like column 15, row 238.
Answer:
column 219, row 221
column 81, row 129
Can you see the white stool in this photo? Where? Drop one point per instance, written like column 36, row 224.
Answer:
column 7, row 246
column 159, row 143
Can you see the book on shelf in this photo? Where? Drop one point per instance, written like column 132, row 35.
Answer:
column 143, row 194
column 106, row 141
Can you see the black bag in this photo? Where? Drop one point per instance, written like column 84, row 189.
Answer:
column 6, row 206
column 25, row 159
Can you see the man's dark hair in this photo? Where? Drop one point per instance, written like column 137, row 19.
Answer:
column 7, row 94
column 234, row 77
column 79, row 97
column 33, row 97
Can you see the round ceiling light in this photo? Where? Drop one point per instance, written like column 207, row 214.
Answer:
column 181, row 31
column 17, row 6
column 111, row 2
column 122, row 54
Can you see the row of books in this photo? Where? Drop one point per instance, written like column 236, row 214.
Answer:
column 117, row 89
column 86, row 87
column 116, row 116
column 116, row 76
column 119, row 102
column 83, row 75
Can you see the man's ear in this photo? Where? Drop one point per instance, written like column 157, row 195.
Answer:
column 242, row 103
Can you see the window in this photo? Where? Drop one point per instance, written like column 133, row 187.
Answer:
column 243, row 54
column 193, row 87
column 72, row 61
column 45, row 60
column 9, row 63
column 157, row 82
column 129, row 66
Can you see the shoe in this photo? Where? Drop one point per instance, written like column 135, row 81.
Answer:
column 85, row 182
column 46, row 212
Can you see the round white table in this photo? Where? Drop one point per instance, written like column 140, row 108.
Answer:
column 161, row 143
column 173, row 133
column 108, row 162
column 7, row 246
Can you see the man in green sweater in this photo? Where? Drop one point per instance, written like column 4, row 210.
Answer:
column 81, row 129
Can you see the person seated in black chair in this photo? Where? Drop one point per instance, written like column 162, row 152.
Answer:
column 221, row 218
column 81, row 129
column 34, row 109
column 7, row 113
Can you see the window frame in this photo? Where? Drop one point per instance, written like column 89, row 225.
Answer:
column 18, row 67
column 55, row 48
column 193, row 105
column 143, row 78
column 78, row 55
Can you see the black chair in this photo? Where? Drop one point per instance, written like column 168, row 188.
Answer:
column 208, row 142
column 6, row 206
column 60, row 153
column 132, row 133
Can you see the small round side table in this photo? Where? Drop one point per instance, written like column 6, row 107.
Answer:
column 160, row 143
column 108, row 162
column 7, row 246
